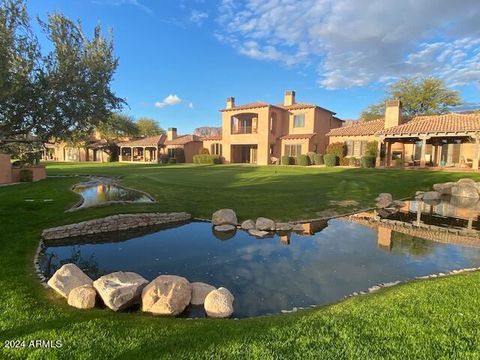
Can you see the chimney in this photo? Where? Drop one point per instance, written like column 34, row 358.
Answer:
column 171, row 133
column 289, row 98
column 393, row 113
column 230, row 102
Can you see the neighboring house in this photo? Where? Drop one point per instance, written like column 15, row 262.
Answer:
column 151, row 149
column 91, row 150
column 261, row 133
column 439, row 140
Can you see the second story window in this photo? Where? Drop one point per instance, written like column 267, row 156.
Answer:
column 299, row 121
column 244, row 124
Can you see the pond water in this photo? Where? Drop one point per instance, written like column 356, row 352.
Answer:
column 319, row 266
column 98, row 194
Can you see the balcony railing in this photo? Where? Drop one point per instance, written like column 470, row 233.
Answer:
column 244, row 130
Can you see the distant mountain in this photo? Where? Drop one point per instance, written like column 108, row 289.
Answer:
column 207, row 131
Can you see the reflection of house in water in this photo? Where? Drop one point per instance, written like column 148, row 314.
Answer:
column 384, row 237
column 313, row 227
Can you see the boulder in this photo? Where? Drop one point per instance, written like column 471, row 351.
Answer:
column 225, row 228
column 82, row 297
column 224, row 216
column 248, row 224
column 283, row 227
column 219, row 303
column 431, row 195
column 465, row 190
column 67, row 278
column 258, row 233
column 466, row 181
column 167, row 295
column 265, row 224
column 120, row 290
column 419, row 195
column 385, row 212
column 444, row 188
column 199, row 291
column 384, row 200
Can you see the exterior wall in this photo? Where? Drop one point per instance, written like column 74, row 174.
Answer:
column 80, row 154
column 324, row 122
column 38, row 173
column 306, row 144
column 5, row 169
column 191, row 149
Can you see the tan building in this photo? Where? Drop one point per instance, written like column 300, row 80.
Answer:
column 261, row 133
column 92, row 150
column 449, row 140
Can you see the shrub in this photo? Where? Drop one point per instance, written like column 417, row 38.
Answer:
column 344, row 161
column 207, row 159
column 26, row 175
column 163, row 159
column 372, row 148
column 354, row 161
column 179, row 155
column 204, row 151
column 311, row 156
column 172, row 160
column 368, row 161
column 303, row 160
column 318, row 159
column 339, row 149
column 287, row 160
column 330, row 160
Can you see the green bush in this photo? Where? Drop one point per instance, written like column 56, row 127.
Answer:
column 26, row 175
column 172, row 160
column 318, row 159
column 311, row 156
column 330, row 160
column 287, row 160
column 354, row 161
column 372, row 148
column 368, row 161
column 303, row 160
column 339, row 149
column 207, row 159
column 163, row 159
column 204, row 151
column 344, row 161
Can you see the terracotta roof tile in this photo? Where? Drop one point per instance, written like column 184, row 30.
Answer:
column 299, row 106
column 297, row 136
column 212, row 137
column 148, row 141
column 253, row 105
column 358, row 128
column 450, row 123
column 183, row 139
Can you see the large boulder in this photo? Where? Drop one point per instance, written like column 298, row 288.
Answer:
column 465, row 190
column 431, row 195
column 67, row 278
column 199, row 291
column 466, row 181
column 219, row 303
column 444, row 188
column 248, row 224
column 82, row 297
column 167, row 295
column 224, row 217
column 384, row 200
column 265, row 224
column 283, row 226
column 119, row 290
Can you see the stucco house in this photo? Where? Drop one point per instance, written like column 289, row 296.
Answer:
column 91, row 150
column 448, row 140
column 261, row 133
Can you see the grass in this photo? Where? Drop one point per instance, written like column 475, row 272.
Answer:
column 432, row 319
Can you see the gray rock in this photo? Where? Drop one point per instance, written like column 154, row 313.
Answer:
column 248, row 224
column 265, row 224
column 224, row 216
column 399, row 203
column 67, row 278
column 444, row 188
column 466, row 181
column 225, row 228
column 431, row 195
column 82, row 297
column 283, row 226
column 465, row 190
column 120, row 290
column 258, row 233
column 384, row 200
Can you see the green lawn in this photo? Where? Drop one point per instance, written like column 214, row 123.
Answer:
column 431, row 319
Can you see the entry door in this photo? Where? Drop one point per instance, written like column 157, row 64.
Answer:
column 245, row 154
column 253, row 155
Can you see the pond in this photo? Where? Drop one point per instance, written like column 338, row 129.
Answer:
column 99, row 194
column 319, row 266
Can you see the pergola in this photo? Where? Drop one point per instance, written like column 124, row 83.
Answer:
column 142, row 150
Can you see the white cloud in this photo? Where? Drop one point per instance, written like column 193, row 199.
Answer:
column 198, row 17
column 357, row 42
column 170, row 100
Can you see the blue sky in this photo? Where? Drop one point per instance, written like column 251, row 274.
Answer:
column 180, row 59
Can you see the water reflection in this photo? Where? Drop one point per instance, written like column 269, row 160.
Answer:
column 268, row 275
column 98, row 194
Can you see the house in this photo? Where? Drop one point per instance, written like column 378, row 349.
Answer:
column 153, row 148
column 447, row 140
column 91, row 150
column 262, row 133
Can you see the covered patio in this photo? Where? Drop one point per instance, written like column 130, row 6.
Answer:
column 142, row 150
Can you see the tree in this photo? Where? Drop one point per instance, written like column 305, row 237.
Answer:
column 419, row 96
column 148, row 127
column 58, row 95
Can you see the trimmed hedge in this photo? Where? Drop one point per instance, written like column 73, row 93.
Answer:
column 303, row 160
column 354, row 161
column 339, row 149
column 330, row 160
column 311, row 156
column 368, row 161
column 172, row 160
column 26, row 175
column 344, row 161
column 287, row 160
column 207, row 159
column 318, row 159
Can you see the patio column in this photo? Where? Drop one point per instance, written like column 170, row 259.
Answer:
column 476, row 152
column 378, row 160
column 424, row 147
column 389, row 154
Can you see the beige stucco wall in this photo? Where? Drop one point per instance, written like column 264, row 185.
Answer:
column 5, row 169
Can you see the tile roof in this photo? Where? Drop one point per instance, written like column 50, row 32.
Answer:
column 297, row 136
column 254, row 105
column 359, row 128
column 449, row 123
column 299, row 106
column 148, row 141
column 183, row 139
column 261, row 104
column 211, row 137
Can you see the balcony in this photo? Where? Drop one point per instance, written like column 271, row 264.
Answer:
column 244, row 130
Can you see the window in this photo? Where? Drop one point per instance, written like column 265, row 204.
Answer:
column 356, row 148
column 293, row 150
column 299, row 121
column 273, row 122
column 171, row 152
column 216, row 149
